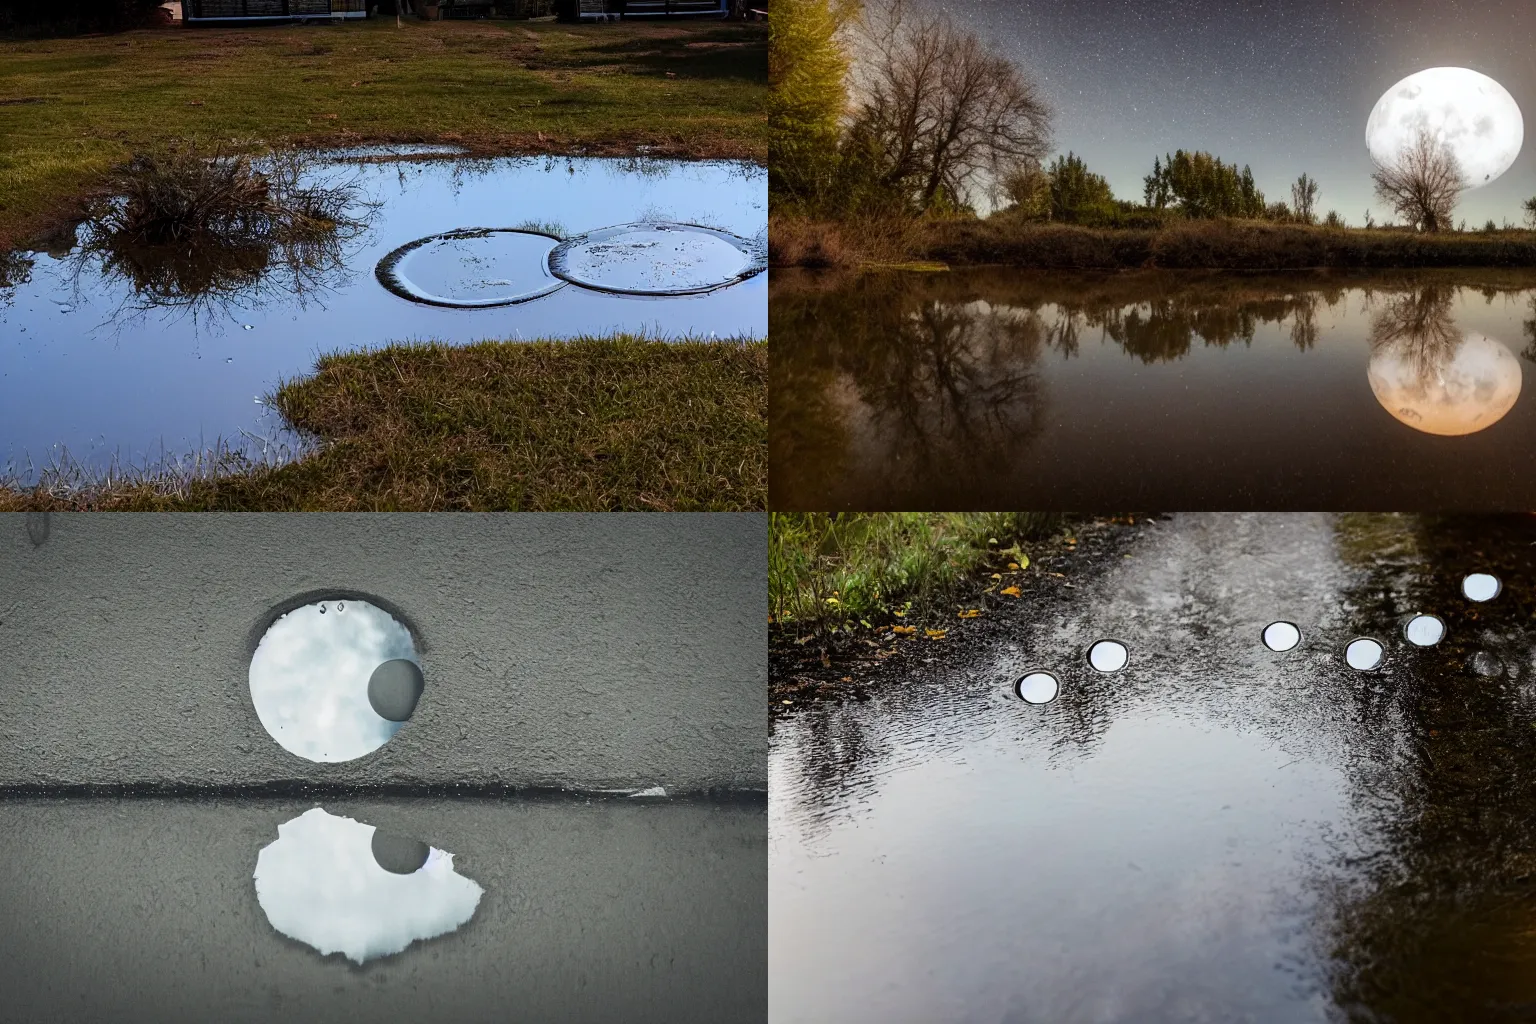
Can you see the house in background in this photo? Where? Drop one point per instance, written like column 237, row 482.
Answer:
column 571, row 10
column 194, row 11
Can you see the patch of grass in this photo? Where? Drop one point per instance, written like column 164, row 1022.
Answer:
column 591, row 423
column 694, row 89
column 1202, row 244
column 832, row 570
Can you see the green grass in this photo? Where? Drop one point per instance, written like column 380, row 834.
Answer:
column 70, row 109
column 831, row 571
column 591, row 423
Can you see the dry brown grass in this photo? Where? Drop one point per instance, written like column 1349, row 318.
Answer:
column 1212, row 244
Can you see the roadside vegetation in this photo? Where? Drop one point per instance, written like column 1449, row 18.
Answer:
column 894, row 130
column 592, row 424
column 842, row 571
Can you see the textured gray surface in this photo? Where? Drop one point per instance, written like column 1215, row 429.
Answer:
column 569, row 650
column 145, row 910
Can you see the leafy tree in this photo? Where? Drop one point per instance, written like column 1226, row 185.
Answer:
column 807, row 75
column 1303, row 196
column 1203, row 186
column 1027, row 188
column 1333, row 220
column 1529, row 206
column 1076, row 192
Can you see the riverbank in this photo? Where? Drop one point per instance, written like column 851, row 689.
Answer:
column 981, row 591
column 592, row 424
column 71, row 109
column 1211, row 245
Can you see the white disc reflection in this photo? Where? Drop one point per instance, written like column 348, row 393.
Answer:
column 1424, row 630
column 319, row 882
column 1461, row 391
column 309, row 678
column 1108, row 656
column 1281, row 636
column 1037, row 688
column 1364, row 654
column 1480, row 586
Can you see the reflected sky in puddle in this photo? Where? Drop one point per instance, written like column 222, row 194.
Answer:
column 981, row 388
column 84, row 368
column 1213, row 833
column 332, row 883
column 316, row 677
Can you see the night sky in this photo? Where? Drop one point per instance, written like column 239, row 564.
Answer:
column 1284, row 86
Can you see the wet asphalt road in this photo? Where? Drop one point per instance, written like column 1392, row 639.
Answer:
column 1216, row 833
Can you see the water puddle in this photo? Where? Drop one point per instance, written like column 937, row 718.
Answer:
column 335, row 680
column 980, row 387
column 1226, row 835
column 1481, row 586
column 1037, row 688
column 341, row 886
column 1108, row 656
column 1281, row 636
column 134, row 358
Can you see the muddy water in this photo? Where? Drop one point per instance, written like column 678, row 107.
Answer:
column 995, row 388
column 1217, row 832
column 105, row 364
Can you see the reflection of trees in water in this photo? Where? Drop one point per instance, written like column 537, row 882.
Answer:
column 15, row 270
column 1418, row 327
column 1530, row 331
column 1442, row 927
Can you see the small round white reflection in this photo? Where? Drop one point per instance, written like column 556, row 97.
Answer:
column 1480, row 586
column 1037, row 688
column 1424, row 630
column 1281, row 636
column 1364, row 654
column 310, row 679
column 1108, row 656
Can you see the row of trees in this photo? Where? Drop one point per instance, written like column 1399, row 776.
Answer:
column 881, row 107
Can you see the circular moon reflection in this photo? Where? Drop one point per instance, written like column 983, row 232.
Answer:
column 1471, row 113
column 1460, row 392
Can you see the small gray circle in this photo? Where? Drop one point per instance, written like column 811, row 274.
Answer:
column 1364, row 654
column 1281, row 636
column 1424, row 630
column 398, row 854
column 1108, row 656
column 1037, row 688
column 394, row 688
column 1481, row 586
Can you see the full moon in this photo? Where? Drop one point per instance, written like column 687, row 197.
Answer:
column 1471, row 113
column 1466, row 390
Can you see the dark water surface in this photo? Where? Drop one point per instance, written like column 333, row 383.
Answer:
column 997, row 388
column 129, row 362
column 1217, row 832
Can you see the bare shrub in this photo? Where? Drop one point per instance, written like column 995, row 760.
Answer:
column 1303, row 197
column 1423, row 184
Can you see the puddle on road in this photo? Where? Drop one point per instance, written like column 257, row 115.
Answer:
column 1219, row 834
column 334, row 680
column 980, row 387
column 341, row 886
column 140, row 361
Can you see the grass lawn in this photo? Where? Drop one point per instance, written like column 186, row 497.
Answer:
column 594, row 423
column 72, row 108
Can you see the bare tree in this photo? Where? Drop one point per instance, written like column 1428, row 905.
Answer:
column 1423, row 184
column 1303, row 196
column 943, row 109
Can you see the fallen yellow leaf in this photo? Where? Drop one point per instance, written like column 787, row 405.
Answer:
column 936, row 634
column 1023, row 561
column 970, row 613
column 998, row 575
column 1012, row 567
column 1010, row 591
column 904, row 630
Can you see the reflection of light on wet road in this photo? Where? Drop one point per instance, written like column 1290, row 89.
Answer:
column 1281, row 636
column 321, row 883
column 1481, row 586
column 1108, row 656
column 1037, row 688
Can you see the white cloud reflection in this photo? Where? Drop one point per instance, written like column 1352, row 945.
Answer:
column 309, row 678
column 318, row 883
